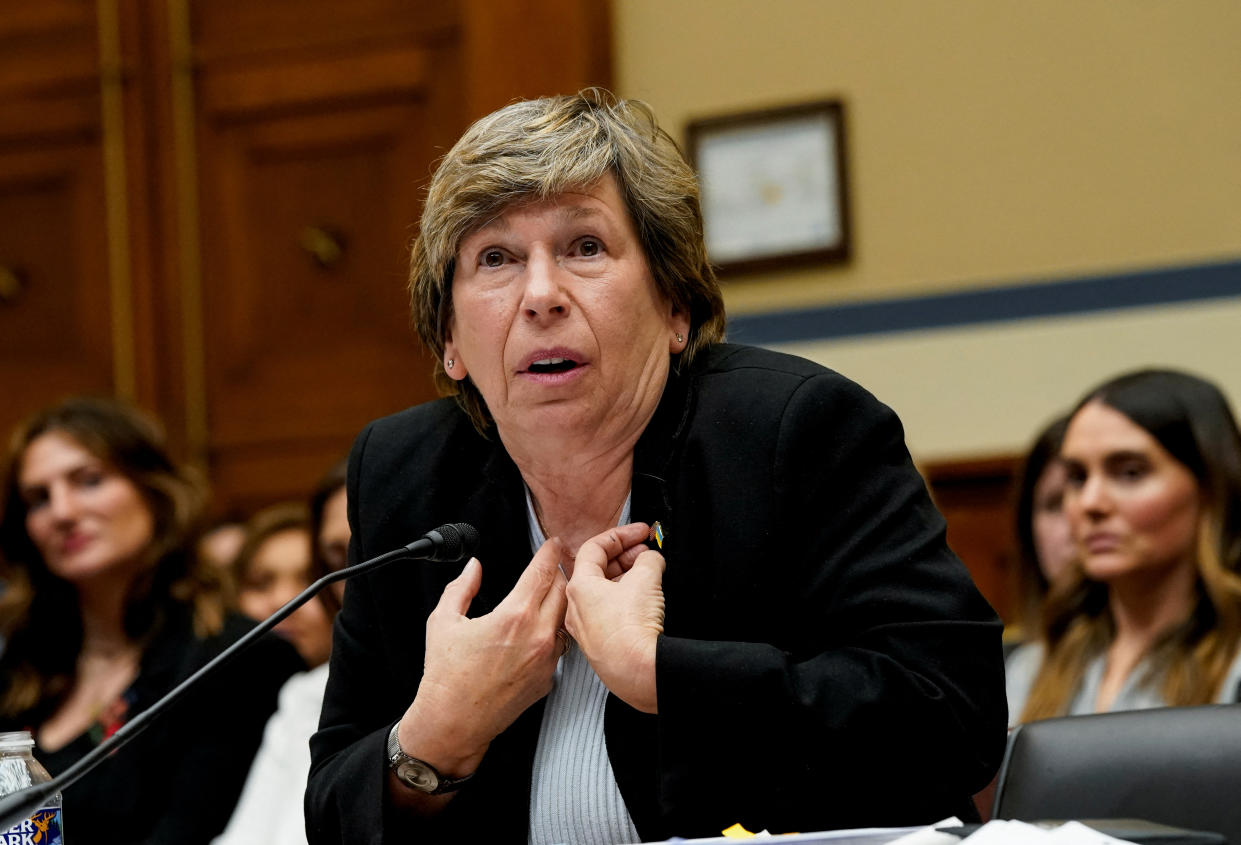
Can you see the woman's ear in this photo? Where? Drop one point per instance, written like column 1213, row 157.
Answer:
column 678, row 330
column 453, row 365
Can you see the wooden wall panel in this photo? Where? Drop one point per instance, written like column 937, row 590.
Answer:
column 55, row 310
column 47, row 48
column 310, row 164
column 975, row 497
column 174, row 177
column 306, row 223
column 270, row 31
column 532, row 48
column 55, row 300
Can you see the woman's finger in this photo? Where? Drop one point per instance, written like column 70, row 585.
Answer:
column 554, row 602
column 599, row 551
column 540, row 574
column 460, row 591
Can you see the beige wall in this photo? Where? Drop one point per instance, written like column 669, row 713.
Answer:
column 991, row 142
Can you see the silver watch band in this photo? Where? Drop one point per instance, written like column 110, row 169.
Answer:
column 418, row 774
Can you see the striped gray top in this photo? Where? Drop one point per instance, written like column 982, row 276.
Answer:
column 574, row 798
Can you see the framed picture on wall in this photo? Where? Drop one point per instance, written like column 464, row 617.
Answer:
column 773, row 186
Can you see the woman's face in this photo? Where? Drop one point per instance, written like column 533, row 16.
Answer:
column 557, row 319
column 334, row 537
column 1133, row 508
column 1053, row 539
column 334, row 531
column 86, row 519
column 278, row 571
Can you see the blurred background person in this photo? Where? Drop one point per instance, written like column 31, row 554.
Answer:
column 1044, row 543
column 273, row 566
column 270, row 809
column 329, row 523
column 1150, row 612
column 221, row 542
column 218, row 545
column 110, row 608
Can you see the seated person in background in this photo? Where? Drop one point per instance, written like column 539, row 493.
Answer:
column 270, row 809
column 1150, row 613
column 812, row 656
column 219, row 546
column 111, row 608
column 221, row 542
column 1044, row 544
column 273, row 566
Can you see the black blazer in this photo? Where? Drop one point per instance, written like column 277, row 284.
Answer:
column 826, row 661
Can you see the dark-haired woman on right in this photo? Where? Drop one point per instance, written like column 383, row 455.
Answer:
column 1150, row 613
column 1044, row 544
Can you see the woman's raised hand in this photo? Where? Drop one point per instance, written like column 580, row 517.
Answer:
column 616, row 611
column 480, row 674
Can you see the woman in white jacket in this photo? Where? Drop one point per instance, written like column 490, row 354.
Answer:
column 270, row 809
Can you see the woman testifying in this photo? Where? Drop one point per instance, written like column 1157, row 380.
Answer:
column 740, row 606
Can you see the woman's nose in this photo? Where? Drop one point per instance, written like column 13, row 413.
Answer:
column 1093, row 496
column 544, row 294
column 62, row 503
column 285, row 593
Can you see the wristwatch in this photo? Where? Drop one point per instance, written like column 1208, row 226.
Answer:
column 419, row 774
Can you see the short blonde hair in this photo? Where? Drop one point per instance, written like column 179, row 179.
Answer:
column 537, row 149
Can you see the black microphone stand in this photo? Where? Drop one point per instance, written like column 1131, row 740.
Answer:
column 448, row 542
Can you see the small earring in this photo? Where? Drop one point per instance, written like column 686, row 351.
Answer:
column 451, row 361
column 680, row 338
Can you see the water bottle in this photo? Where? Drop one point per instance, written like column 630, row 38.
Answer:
column 18, row 770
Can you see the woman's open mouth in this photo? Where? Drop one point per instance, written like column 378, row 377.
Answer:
column 551, row 365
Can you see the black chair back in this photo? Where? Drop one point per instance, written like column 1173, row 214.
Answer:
column 1178, row 766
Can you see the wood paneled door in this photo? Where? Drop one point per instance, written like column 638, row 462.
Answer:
column 56, row 296
column 207, row 206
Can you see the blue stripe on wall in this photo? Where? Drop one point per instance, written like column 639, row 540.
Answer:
column 992, row 305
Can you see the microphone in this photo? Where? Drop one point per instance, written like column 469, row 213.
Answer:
column 447, row 543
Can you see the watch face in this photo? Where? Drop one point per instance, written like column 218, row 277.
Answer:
column 418, row 775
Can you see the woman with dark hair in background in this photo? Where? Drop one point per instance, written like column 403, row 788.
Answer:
column 1150, row 613
column 107, row 608
column 329, row 525
column 272, row 567
column 1044, row 545
column 270, row 809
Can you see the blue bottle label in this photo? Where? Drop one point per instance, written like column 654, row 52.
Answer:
column 42, row 828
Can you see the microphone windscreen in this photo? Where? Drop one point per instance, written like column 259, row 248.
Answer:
column 456, row 540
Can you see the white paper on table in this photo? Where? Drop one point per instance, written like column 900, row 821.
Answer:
column 931, row 836
column 1009, row 832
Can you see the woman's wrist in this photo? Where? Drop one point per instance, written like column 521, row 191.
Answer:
column 446, row 747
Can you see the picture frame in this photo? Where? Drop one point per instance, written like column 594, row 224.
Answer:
column 774, row 186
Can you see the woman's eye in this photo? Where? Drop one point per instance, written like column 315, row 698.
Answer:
column 259, row 583
column 493, row 258
column 1053, row 503
column 590, row 247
